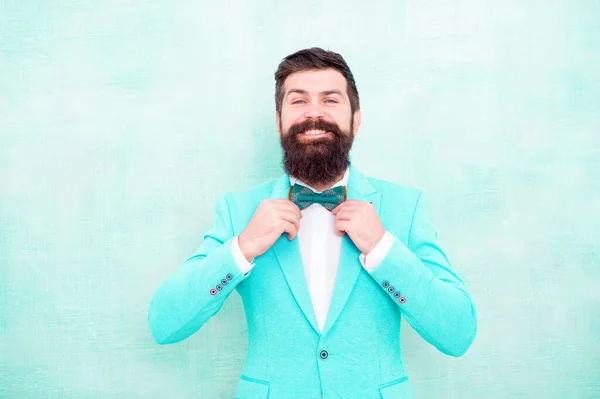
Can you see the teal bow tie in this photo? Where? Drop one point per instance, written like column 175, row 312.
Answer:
column 304, row 197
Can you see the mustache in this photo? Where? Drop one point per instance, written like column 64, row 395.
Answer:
column 311, row 124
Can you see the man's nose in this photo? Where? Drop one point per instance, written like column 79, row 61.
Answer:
column 314, row 110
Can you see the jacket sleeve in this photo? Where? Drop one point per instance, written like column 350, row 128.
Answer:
column 196, row 291
column 432, row 298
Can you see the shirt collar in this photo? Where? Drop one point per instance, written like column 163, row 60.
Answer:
column 343, row 182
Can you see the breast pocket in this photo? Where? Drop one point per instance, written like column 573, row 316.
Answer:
column 251, row 388
column 397, row 389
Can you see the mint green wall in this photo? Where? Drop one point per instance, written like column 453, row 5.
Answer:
column 121, row 123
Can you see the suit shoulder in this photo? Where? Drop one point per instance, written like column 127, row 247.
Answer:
column 262, row 190
column 389, row 188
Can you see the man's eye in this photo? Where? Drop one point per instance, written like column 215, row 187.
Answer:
column 332, row 100
column 297, row 101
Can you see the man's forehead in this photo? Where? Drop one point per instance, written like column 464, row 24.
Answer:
column 315, row 81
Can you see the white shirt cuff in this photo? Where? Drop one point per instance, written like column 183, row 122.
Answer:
column 374, row 258
column 239, row 257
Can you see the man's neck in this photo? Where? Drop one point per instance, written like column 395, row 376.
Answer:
column 323, row 187
column 327, row 186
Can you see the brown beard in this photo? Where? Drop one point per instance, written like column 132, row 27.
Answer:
column 316, row 161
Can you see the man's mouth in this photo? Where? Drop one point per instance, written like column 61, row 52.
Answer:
column 314, row 133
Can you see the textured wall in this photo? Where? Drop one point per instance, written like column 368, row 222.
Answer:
column 121, row 122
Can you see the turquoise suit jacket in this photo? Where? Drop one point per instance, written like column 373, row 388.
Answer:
column 358, row 354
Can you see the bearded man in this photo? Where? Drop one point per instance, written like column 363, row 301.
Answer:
column 327, row 261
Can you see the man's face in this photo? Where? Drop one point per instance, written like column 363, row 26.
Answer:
column 316, row 101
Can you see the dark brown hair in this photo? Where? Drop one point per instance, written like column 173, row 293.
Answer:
column 314, row 58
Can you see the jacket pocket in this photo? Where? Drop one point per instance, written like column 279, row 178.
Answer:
column 251, row 388
column 397, row 389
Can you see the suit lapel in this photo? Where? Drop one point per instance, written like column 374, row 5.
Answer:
column 350, row 267
column 290, row 260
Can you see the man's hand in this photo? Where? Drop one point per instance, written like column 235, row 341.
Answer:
column 361, row 222
column 271, row 219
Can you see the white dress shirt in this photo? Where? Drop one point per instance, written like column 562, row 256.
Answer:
column 320, row 250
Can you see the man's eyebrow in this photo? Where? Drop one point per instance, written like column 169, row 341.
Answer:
column 328, row 92
column 325, row 92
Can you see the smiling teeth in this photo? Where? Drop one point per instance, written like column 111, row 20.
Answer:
column 314, row 132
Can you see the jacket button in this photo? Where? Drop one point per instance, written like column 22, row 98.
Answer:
column 396, row 294
column 402, row 299
column 323, row 354
column 391, row 289
column 385, row 284
column 229, row 276
column 219, row 287
column 224, row 281
column 213, row 291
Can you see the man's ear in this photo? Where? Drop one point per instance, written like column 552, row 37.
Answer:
column 277, row 122
column 357, row 120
